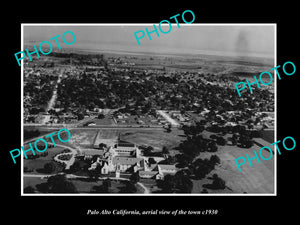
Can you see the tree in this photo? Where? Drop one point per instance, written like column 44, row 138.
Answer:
column 218, row 183
column 179, row 183
column 204, row 191
column 183, row 160
column 60, row 184
column 102, row 146
column 134, row 178
column 233, row 141
column 215, row 159
column 101, row 116
column 168, row 184
column 95, row 173
column 183, row 184
column 213, row 136
column 107, row 182
column 80, row 116
column 165, row 150
column 75, row 167
column 151, row 161
column 212, row 146
column 221, row 141
column 201, row 167
column 129, row 188
column 49, row 167
column 147, row 150
column 42, row 188
column 245, row 141
column 168, row 129
column 104, row 188
column 29, row 189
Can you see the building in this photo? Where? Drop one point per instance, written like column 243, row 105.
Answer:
column 125, row 164
column 90, row 153
column 123, row 148
column 148, row 174
column 163, row 170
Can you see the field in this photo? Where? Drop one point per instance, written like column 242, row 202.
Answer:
column 216, row 64
column 82, row 185
column 256, row 179
column 41, row 131
column 157, row 138
column 37, row 164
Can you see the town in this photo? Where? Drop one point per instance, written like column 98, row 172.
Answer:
column 140, row 124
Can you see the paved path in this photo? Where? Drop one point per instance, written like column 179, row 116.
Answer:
column 69, row 162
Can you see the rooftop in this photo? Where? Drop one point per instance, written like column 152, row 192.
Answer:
column 166, row 167
column 92, row 152
column 126, row 160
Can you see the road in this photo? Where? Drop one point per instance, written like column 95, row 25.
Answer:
column 72, row 176
column 168, row 118
column 51, row 103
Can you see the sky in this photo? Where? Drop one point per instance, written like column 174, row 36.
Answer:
column 189, row 38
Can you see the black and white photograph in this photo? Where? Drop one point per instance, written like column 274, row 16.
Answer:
column 163, row 117
column 149, row 112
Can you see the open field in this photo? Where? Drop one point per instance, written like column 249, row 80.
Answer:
column 85, row 186
column 41, row 131
column 256, row 179
column 32, row 181
column 195, row 62
column 157, row 138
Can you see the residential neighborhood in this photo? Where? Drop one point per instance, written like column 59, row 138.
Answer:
column 142, row 124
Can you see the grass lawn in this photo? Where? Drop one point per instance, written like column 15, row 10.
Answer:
column 38, row 163
column 149, row 183
column 42, row 131
column 82, row 185
column 85, row 186
column 32, row 181
column 256, row 179
column 82, row 138
column 155, row 138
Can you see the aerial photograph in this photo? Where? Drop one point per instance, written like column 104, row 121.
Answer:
column 163, row 117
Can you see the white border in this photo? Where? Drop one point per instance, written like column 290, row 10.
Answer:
column 149, row 24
